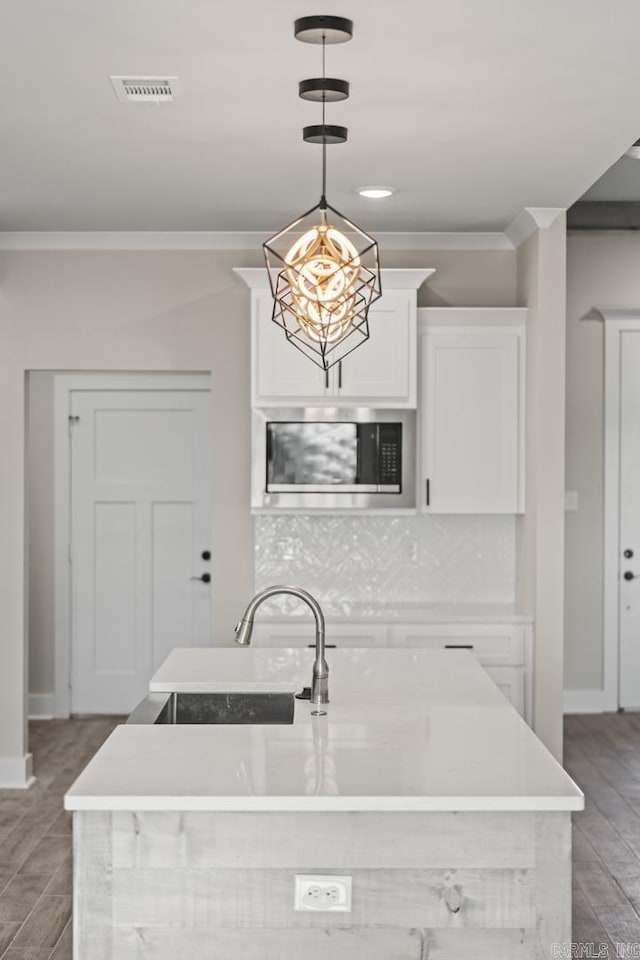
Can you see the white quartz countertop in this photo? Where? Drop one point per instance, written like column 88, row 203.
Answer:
column 405, row 730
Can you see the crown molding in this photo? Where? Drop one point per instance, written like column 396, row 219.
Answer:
column 128, row 240
column 210, row 240
column 443, row 241
column 256, row 278
column 530, row 219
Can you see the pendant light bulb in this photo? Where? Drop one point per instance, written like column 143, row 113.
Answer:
column 322, row 271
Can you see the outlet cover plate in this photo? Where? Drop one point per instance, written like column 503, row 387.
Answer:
column 323, row 893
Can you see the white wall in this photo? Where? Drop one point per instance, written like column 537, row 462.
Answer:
column 602, row 271
column 144, row 311
column 40, row 524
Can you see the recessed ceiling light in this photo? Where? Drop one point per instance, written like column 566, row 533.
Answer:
column 375, row 193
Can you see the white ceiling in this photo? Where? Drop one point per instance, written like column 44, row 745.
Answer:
column 471, row 109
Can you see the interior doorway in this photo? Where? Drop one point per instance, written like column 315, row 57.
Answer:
column 132, row 532
column 622, row 510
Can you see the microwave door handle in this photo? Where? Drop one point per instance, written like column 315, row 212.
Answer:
column 268, row 458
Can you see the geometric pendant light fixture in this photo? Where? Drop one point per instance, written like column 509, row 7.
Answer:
column 324, row 270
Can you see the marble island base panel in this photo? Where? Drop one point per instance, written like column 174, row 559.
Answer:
column 209, row 885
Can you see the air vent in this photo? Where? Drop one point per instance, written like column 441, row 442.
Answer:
column 145, row 89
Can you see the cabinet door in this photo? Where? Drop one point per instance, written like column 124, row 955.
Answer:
column 384, row 368
column 471, row 420
column 280, row 372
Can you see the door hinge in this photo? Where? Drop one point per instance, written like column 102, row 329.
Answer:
column 72, row 422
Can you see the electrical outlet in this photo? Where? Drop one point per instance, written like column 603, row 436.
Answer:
column 323, row 893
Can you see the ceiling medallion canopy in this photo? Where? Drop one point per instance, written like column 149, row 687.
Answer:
column 324, row 270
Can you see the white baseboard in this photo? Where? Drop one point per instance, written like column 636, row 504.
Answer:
column 16, row 773
column 41, row 706
column 584, row 701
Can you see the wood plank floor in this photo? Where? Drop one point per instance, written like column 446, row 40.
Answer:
column 602, row 753
column 35, row 842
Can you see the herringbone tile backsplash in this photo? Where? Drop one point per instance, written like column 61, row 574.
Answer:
column 413, row 559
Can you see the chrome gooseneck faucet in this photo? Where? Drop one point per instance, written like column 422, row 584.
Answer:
column 320, row 674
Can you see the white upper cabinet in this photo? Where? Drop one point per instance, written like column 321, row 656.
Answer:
column 280, row 372
column 471, row 410
column 380, row 372
column 385, row 368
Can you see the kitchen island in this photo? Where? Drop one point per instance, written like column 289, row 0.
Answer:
column 421, row 783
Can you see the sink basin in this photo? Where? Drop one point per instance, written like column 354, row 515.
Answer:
column 179, row 707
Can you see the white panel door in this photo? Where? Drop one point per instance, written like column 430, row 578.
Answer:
column 140, row 520
column 470, row 418
column 629, row 568
column 384, row 368
column 281, row 372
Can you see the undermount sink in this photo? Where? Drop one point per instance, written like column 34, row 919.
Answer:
column 214, row 708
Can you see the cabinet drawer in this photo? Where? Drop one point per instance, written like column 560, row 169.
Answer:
column 300, row 635
column 493, row 645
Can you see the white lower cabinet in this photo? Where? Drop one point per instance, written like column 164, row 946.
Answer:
column 503, row 649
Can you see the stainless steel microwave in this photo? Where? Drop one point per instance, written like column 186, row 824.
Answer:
column 330, row 458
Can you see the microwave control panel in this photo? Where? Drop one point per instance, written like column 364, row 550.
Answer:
column 390, row 454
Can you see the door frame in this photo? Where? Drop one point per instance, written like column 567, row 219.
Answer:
column 616, row 322
column 64, row 385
